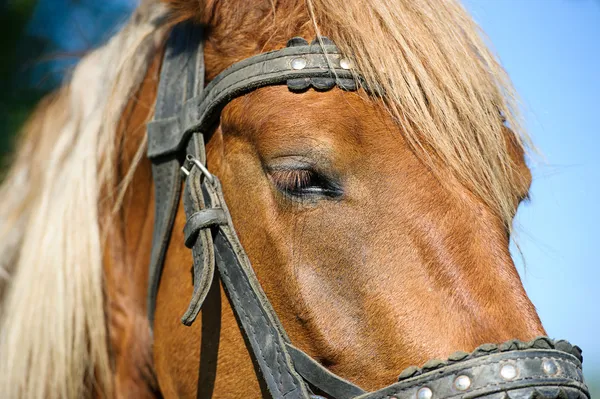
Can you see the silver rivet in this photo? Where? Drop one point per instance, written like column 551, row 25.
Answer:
column 508, row 371
column 345, row 63
column 424, row 393
column 462, row 382
column 549, row 367
column 298, row 63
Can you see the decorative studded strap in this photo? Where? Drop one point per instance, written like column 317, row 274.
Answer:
column 184, row 109
column 300, row 66
column 540, row 369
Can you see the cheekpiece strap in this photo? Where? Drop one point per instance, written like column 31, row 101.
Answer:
column 181, row 78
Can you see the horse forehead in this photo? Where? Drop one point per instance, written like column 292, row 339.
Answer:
column 337, row 116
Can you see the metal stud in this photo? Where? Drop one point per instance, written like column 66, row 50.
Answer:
column 298, row 63
column 549, row 367
column 462, row 382
column 424, row 393
column 345, row 63
column 508, row 371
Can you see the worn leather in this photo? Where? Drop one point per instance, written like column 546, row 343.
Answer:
column 169, row 135
column 201, row 220
column 484, row 372
column 251, row 306
column 178, row 82
column 321, row 378
column 201, row 244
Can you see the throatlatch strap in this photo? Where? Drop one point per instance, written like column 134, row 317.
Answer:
column 182, row 77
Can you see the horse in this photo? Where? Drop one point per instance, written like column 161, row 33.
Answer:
column 377, row 220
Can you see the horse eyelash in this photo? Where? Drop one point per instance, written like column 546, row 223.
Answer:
column 305, row 183
column 291, row 180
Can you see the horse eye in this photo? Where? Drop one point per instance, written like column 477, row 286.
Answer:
column 301, row 183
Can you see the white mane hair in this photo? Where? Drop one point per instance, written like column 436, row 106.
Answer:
column 53, row 332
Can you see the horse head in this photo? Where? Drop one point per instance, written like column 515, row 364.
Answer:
column 361, row 232
column 344, row 224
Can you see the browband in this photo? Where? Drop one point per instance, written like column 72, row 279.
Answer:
column 321, row 66
column 538, row 369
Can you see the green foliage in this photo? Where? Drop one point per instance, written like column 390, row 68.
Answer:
column 16, row 98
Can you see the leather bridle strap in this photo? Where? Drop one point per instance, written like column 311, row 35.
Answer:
column 321, row 378
column 179, row 81
column 300, row 67
column 253, row 311
column 284, row 367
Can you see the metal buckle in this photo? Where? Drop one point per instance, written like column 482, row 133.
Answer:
column 192, row 161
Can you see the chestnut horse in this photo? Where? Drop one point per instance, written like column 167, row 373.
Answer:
column 377, row 224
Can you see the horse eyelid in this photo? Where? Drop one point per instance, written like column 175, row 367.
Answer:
column 303, row 182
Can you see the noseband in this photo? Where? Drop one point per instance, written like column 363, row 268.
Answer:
column 186, row 113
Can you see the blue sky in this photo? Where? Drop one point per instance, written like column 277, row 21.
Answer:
column 72, row 27
column 551, row 50
column 78, row 25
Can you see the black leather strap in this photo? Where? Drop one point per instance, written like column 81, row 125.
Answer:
column 251, row 306
column 201, row 220
column 180, row 79
column 201, row 243
column 169, row 135
column 321, row 378
column 531, row 373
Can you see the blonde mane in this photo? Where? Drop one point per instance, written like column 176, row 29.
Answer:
column 427, row 58
column 53, row 333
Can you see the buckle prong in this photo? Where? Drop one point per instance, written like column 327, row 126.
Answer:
column 195, row 162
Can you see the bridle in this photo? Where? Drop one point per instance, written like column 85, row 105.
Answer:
column 186, row 113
